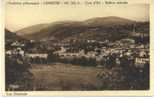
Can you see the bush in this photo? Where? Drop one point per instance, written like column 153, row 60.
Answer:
column 17, row 72
column 52, row 57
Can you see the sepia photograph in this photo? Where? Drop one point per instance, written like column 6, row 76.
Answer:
column 77, row 48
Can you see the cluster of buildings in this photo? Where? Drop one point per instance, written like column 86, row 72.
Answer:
column 121, row 48
column 125, row 47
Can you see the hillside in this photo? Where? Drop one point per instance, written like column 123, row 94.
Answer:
column 32, row 29
column 108, row 21
column 99, row 28
column 10, row 36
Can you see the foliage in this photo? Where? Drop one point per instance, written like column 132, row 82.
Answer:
column 17, row 72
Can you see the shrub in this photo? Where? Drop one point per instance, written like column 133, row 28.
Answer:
column 17, row 73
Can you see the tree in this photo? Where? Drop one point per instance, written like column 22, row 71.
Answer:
column 52, row 57
column 17, row 72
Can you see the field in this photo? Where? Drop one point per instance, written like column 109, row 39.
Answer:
column 69, row 77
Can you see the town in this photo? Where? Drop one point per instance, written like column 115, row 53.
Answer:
column 98, row 52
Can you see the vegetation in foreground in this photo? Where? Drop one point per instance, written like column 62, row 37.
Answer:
column 58, row 76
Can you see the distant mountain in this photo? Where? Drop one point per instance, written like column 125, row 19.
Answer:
column 99, row 28
column 52, row 30
column 108, row 21
column 32, row 29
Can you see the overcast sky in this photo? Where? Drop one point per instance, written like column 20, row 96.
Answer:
column 18, row 17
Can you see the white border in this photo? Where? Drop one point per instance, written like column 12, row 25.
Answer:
column 78, row 93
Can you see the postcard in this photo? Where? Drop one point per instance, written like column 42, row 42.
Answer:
column 77, row 48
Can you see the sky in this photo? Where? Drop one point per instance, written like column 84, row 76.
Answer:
column 18, row 17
